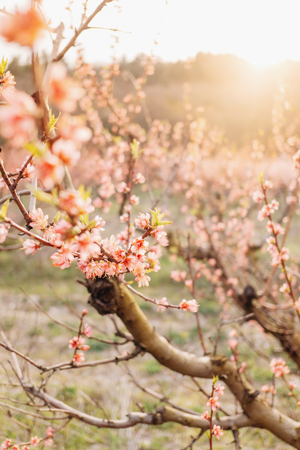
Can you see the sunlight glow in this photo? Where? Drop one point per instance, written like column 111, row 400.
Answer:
column 260, row 31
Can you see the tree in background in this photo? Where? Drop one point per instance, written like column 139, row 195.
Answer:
column 185, row 180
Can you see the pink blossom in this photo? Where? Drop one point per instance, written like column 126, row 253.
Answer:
column 6, row 444
column 30, row 246
column 87, row 330
column 63, row 92
column 48, row 442
column 161, row 303
column 52, row 237
column 76, row 342
column 99, row 223
column 206, row 415
column 160, row 236
column 39, row 221
column 141, row 277
column 134, row 200
column 258, row 196
column 143, row 221
column 139, row 245
column 28, row 171
column 188, row 283
column 139, row 178
column 218, row 431
column 7, row 83
column 265, row 388
column 73, row 128
column 85, row 244
column 63, row 228
column 92, row 269
column 153, row 262
column 292, row 385
column 267, row 210
column 66, row 151
column 242, row 367
column 78, row 358
column 122, row 188
column 279, row 367
column 49, row 431
column 233, row 281
column 268, row 184
column 296, row 158
column 178, row 276
column 3, row 232
column 17, row 119
column 274, row 228
column 219, row 389
column 297, row 305
column 232, row 343
column 213, row 403
column 74, row 204
column 50, row 171
column 23, row 28
column 130, row 263
column 190, row 305
column 285, row 288
column 124, row 218
column 63, row 258
column 35, row 441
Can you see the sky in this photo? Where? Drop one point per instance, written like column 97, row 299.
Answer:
column 261, row 31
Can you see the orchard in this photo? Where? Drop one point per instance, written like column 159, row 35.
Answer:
column 168, row 315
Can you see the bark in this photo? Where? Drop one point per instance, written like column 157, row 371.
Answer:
column 280, row 323
column 109, row 293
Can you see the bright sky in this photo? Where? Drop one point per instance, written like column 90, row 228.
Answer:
column 261, row 31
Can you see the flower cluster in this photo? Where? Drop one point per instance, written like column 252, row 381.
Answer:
column 279, row 367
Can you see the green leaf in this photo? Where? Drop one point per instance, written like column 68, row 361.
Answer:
column 42, row 196
column 84, row 218
column 91, row 225
column 3, row 66
column 85, row 194
column 57, row 217
column 36, row 149
column 3, row 210
column 261, row 178
column 215, row 379
column 52, row 122
column 135, row 145
column 156, row 218
column 116, row 139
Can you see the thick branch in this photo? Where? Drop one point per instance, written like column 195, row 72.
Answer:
column 162, row 415
column 259, row 412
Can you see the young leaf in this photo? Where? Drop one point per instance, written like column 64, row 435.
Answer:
column 3, row 210
column 156, row 218
column 135, row 148
column 3, row 66
column 84, row 218
column 36, row 149
column 52, row 122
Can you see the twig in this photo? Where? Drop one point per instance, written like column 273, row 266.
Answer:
column 14, row 194
column 83, row 27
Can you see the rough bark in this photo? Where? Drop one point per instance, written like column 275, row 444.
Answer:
column 254, row 406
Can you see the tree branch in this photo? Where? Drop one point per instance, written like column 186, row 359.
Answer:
column 120, row 300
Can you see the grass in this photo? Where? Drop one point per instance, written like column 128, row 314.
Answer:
column 106, row 391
